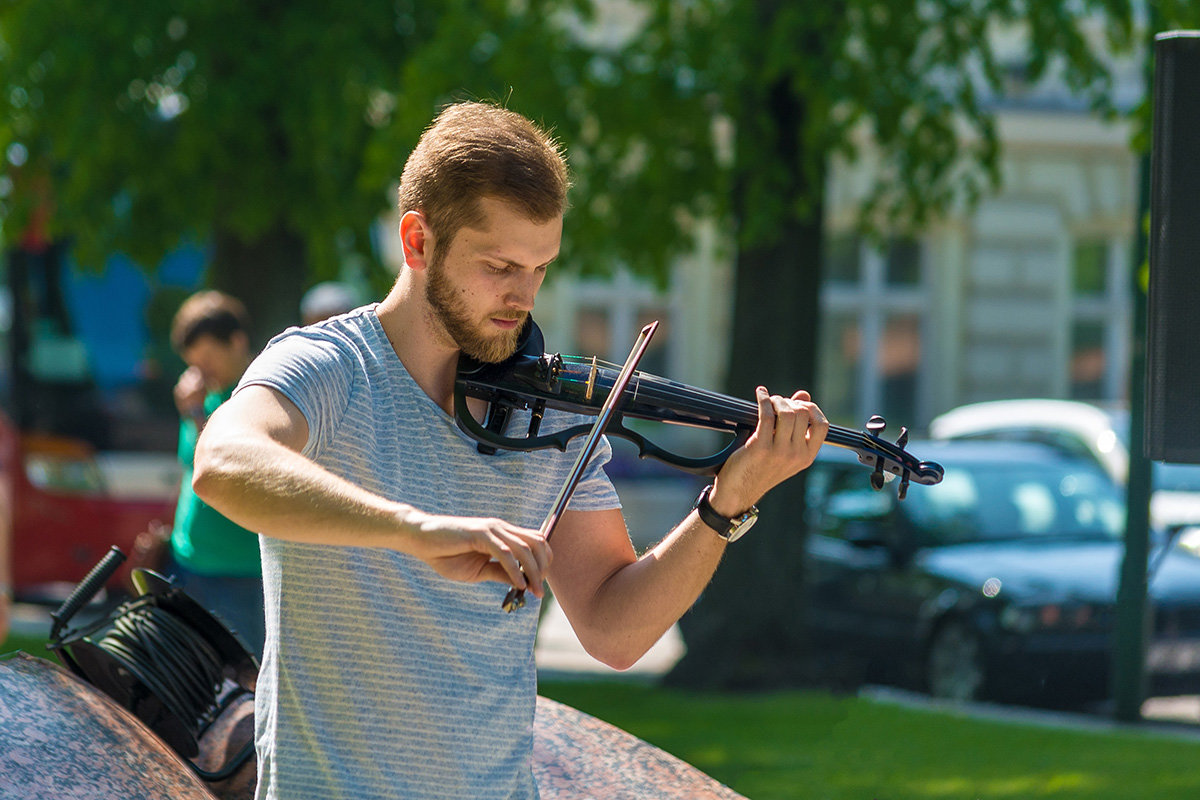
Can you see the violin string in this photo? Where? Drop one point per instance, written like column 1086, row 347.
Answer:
column 656, row 388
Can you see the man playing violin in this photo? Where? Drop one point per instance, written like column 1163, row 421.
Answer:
column 389, row 541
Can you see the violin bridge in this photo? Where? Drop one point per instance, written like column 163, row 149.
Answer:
column 591, row 381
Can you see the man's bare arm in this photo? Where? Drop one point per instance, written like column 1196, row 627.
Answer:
column 249, row 467
column 620, row 605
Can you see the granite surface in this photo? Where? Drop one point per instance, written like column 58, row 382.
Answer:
column 62, row 738
column 578, row 757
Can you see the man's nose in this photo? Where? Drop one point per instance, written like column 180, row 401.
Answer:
column 523, row 291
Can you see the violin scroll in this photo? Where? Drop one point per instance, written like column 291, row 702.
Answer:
column 875, row 427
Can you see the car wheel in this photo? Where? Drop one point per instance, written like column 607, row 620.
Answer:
column 954, row 665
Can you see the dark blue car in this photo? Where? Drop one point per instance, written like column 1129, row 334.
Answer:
column 999, row 583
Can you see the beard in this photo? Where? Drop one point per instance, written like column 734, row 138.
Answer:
column 451, row 313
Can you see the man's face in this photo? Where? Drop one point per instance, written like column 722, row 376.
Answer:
column 221, row 363
column 482, row 287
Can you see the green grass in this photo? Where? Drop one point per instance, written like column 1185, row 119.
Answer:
column 820, row 747
column 34, row 645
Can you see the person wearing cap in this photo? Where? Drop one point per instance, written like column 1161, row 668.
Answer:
column 327, row 299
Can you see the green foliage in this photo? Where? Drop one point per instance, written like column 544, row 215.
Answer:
column 158, row 121
column 918, row 79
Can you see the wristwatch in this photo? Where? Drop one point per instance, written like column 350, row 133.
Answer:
column 728, row 529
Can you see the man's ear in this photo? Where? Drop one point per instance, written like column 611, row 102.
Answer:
column 416, row 239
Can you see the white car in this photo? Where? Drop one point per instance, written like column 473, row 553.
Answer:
column 1084, row 429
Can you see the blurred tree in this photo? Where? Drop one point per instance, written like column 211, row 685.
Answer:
column 913, row 84
column 274, row 128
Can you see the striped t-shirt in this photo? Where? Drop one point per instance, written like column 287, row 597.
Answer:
column 381, row 679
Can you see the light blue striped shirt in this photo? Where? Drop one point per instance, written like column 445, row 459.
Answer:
column 380, row 678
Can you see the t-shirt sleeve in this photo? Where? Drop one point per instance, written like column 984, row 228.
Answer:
column 314, row 371
column 595, row 491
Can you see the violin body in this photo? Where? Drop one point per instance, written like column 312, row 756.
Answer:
column 535, row 380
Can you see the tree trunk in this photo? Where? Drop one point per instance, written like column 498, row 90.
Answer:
column 267, row 274
column 748, row 628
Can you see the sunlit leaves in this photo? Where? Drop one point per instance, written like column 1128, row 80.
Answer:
column 159, row 120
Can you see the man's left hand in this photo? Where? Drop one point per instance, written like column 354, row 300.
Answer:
column 789, row 434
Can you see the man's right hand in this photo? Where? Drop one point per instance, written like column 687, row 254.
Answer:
column 474, row 549
column 190, row 392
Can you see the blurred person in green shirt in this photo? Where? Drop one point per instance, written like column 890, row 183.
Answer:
column 215, row 561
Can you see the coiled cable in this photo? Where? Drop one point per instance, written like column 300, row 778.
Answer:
column 182, row 668
column 160, row 656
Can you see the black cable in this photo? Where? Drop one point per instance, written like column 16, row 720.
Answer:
column 182, row 669
column 150, row 652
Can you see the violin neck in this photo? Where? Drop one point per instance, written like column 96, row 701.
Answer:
column 844, row 437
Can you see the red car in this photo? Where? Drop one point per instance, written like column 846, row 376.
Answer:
column 61, row 518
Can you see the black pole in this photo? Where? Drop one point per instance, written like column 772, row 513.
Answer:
column 1129, row 643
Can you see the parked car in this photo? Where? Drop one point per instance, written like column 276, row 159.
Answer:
column 998, row 583
column 62, row 515
column 1096, row 432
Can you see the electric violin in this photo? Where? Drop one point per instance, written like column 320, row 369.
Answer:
column 535, row 380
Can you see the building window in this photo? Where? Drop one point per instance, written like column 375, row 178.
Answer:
column 593, row 330
column 873, row 327
column 655, row 359
column 1089, row 268
column 898, row 362
column 609, row 314
column 842, row 259
column 606, row 316
column 902, row 263
column 1089, row 362
column 1099, row 325
column 839, row 371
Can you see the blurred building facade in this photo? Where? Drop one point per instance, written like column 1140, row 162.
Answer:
column 1028, row 294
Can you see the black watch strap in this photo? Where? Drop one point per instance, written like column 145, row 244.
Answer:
column 728, row 529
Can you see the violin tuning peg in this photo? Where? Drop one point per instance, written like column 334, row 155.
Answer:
column 903, row 491
column 877, row 475
column 876, row 424
column 902, row 439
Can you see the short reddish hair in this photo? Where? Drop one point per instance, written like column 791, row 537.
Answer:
column 476, row 150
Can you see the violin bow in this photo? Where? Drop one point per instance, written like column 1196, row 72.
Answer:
column 516, row 597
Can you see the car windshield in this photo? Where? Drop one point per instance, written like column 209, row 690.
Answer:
column 1017, row 501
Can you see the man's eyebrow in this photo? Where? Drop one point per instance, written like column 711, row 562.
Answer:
column 510, row 263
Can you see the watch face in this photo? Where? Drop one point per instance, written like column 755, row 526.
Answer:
column 740, row 525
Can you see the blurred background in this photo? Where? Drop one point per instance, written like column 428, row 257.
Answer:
column 905, row 207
